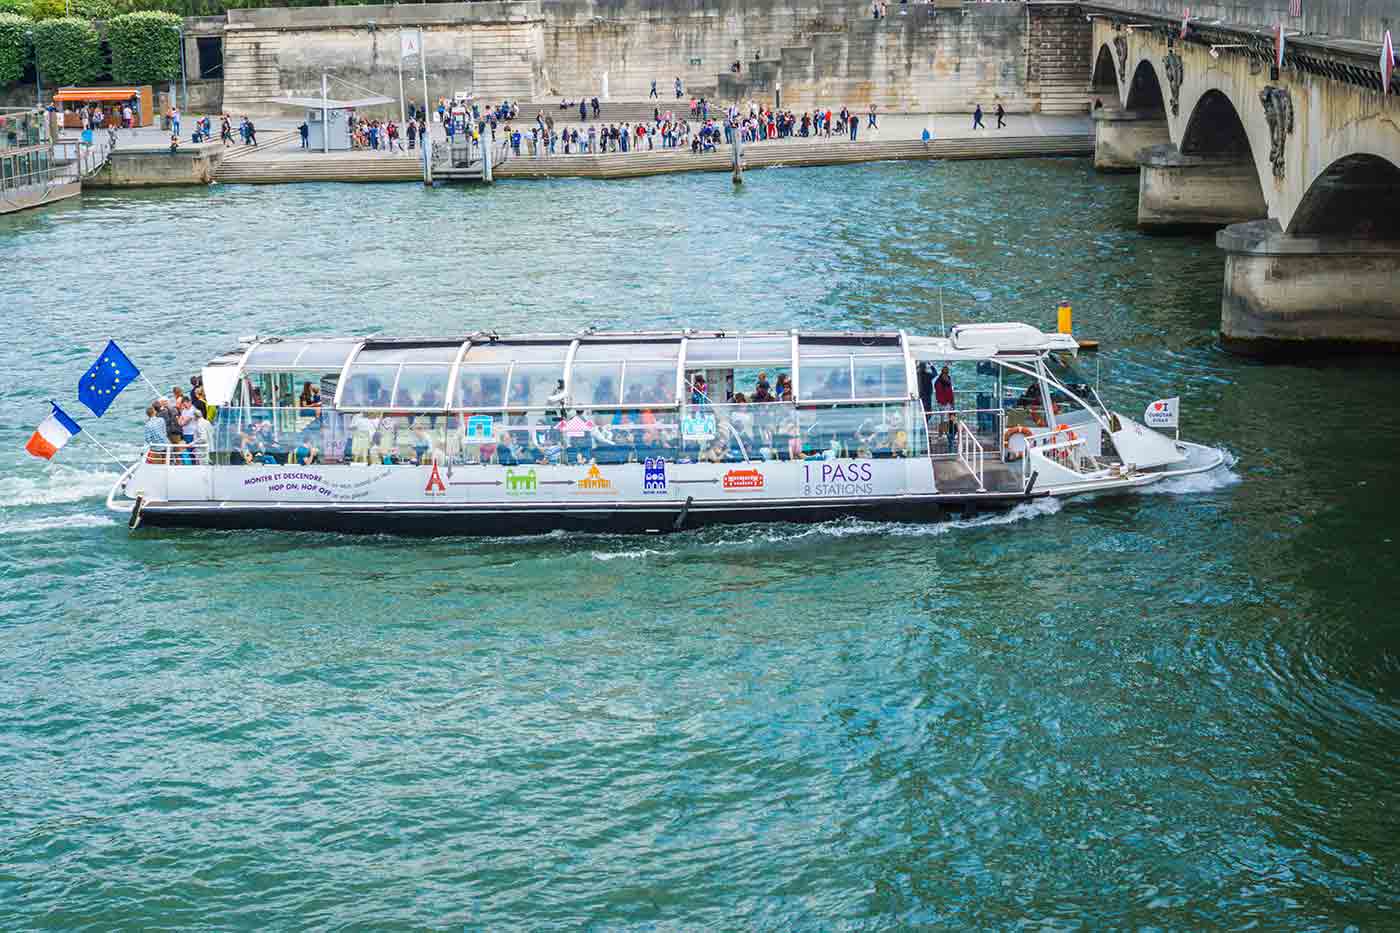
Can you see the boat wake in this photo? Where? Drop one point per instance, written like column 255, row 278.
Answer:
column 741, row 537
column 1221, row 477
column 53, row 523
column 55, row 486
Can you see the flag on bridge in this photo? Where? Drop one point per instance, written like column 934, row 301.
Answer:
column 1278, row 48
column 1387, row 62
column 105, row 379
column 53, row 432
column 1295, row 7
column 1185, row 22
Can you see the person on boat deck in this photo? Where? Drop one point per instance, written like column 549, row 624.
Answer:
column 762, row 391
column 187, row 419
column 699, row 392
column 179, row 453
column 784, row 388
column 943, row 390
column 310, row 400
column 154, row 434
column 305, row 453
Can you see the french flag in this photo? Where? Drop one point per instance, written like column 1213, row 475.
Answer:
column 53, row 432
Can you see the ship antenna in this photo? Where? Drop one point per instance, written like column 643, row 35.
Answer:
column 941, row 322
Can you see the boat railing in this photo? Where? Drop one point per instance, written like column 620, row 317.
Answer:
column 176, row 454
column 945, row 429
column 971, row 455
column 1062, row 446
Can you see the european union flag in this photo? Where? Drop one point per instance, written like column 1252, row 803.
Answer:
column 101, row 384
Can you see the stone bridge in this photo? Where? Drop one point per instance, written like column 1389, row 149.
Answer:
column 1299, row 165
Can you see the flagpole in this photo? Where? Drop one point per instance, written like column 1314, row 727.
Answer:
column 151, row 384
column 121, row 463
column 403, row 112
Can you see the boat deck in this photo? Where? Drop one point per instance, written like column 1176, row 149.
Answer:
column 952, row 477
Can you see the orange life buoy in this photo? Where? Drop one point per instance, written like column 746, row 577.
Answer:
column 1015, row 431
column 1063, row 452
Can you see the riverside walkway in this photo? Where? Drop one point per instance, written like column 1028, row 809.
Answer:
column 898, row 138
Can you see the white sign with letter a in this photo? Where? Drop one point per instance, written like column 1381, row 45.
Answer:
column 1163, row 413
column 408, row 44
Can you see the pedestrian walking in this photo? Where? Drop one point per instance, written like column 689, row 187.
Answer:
column 252, row 134
column 872, row 118
column 653, row 87
column 1001, row 115
column 225, row 131
column 977, row 118
column 583, row 111
column 679, row 87
column 305, row 132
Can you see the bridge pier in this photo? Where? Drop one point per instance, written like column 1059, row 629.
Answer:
column 1180, row 193
column 1288, row 295
column 1120, row 134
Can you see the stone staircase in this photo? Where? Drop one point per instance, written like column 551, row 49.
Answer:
column 613, row 111
column 250, row 70
column 1060, row 41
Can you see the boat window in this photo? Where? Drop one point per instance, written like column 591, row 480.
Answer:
column 592, row 351
column 824, row 377
column 392, row 353
column 369, row 386
column 502, row 352
column 880, row 377
column 274, row 355
column 596, row 383
column 764, row 349
column 328, row 356
column 650, row 382
column 422, row 386
column 532, row 384
column 481, row 386
column 711, row 350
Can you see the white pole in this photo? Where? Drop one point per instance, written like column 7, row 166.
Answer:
column 325, row 116
column 426, row 137
column 423, row 64
column 403, row 113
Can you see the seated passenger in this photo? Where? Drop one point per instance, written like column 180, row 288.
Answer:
column 762, row 391
column 717, row 452
column 304, row 453
column 310, row 400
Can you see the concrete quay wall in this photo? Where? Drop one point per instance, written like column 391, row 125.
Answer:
column 921, row 58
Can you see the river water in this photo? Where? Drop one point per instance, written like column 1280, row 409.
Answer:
column 1177, row 710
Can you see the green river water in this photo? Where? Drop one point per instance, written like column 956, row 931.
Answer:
column 1172, row 711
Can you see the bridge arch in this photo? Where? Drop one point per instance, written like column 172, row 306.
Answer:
column 1145, row 90
column 1104, row 83
column 1357, row 196
column 1215, row 128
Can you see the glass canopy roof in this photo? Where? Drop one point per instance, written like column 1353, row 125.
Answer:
column 485, row 372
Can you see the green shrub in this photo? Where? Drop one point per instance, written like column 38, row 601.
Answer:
column 17, row 7
column 145, row 47
column 47, row 9
column 67, row 51
column 14, row 47
column 101, row 10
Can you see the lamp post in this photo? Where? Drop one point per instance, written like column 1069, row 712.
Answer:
column 184, row 86
column 38, row 92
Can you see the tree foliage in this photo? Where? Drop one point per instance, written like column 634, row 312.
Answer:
column 67, row 51
column 145, row 47
column 14, row 47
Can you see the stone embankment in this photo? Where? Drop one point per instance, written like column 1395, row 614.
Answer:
column 300, row 166
column 637, row 164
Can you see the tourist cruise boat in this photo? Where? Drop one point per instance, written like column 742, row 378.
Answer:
column 643, row 432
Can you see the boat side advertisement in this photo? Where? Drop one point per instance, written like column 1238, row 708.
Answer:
column 576, row 483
